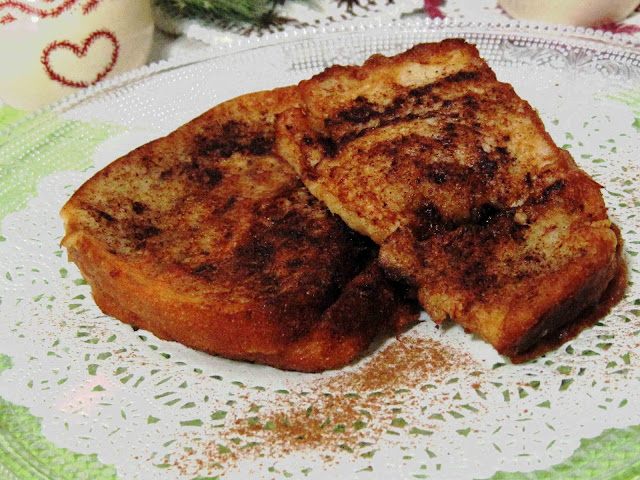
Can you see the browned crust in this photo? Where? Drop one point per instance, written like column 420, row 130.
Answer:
column 455, row 176
column 375, row 143
column 207, row 238
column 368, row 306
column 588, row 305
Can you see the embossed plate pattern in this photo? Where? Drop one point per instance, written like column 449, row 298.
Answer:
column 84, row 396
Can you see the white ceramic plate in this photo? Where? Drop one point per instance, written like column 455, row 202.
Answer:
column 84, row 396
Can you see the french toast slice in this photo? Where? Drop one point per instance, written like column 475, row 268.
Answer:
column 208, row 238
column 455, row 176
column 512, row 275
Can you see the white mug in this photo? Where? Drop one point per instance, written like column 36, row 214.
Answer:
column 579, row 13
column 53, row 48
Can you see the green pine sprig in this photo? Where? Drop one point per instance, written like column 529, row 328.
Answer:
column 227, row 11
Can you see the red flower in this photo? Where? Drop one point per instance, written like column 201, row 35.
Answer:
column 620, row 28
column 432, row 8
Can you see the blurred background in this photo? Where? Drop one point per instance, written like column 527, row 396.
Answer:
column 51, row 49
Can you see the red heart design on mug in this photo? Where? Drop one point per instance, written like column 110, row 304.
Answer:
column 31, row 10
column 81, row 53
column 7, row 19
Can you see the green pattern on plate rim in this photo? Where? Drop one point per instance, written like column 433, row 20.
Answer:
column 24, row 452
column 59, row 145
column 156, row 409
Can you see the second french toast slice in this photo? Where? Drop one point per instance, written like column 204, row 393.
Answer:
column 455, row 176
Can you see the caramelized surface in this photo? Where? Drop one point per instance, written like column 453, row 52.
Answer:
column 456, row 178
column 430, row 126
column 512, row 275
column 208, row 238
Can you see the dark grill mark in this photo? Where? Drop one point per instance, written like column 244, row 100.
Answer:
column 138, row 208
column 233, row 128
column 458, row 77
column 194, row 165
column 144, row 232
column 476, row 276
column 329, row 146
column 485, row 214
column 261, row 146
column 351, row 136
column 214, row 176
column 255, row 255
column 295, row 263
column 206, row 147
column 205, row 270
column 503, row 155
column 235, row 138
column 231, row 201
column 292, row 232
column 430, row 223
column 420, row 92
column 516, row 231
column 527, row 180
column 105, row 216
column 497, row 223
column 471, row 103
column 438, row 174
column 362, row 112
column 486, row 166
column 556, row 186
column 462, row 76
column 397, row 104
